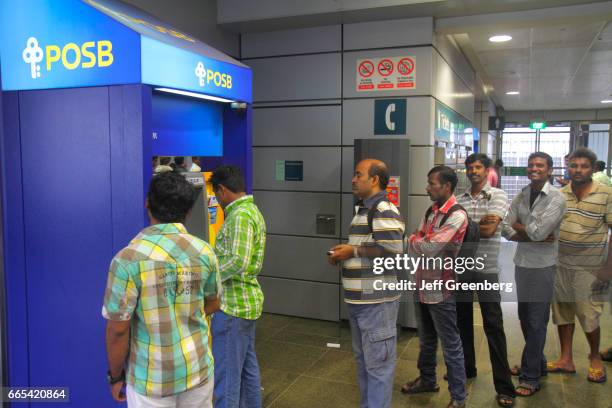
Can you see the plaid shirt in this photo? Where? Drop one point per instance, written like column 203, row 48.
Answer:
column 434, row 240
column 489, row 201
column 240, row 247
column 160, row 281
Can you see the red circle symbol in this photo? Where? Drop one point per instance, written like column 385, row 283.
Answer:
column 366, row 69
column 385, row 67
column 405, row 66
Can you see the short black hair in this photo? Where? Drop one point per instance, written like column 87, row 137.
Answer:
column 179, row 160
column 586, row 153
column 542, row 155
column 381, row 171
column 499, row 163
column 600, row 165
column 228, row 176
column 481, row 157
column 164, row 161
column 170, row 197
column 446, row 175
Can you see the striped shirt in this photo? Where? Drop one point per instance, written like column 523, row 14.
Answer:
column 584, row 230
column 433, row 240
column 489, row 201
column 160, row 281
column 387, row 231
column 240, row 247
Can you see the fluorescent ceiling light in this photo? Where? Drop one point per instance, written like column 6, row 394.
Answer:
column 194, row 95
column 607, row 101
column 512, row 93
column 500, row 38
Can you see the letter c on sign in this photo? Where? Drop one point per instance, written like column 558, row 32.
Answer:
column 390, row 124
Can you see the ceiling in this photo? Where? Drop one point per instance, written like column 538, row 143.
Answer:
column 560, row 56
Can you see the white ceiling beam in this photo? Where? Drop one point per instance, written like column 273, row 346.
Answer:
column 525, row 19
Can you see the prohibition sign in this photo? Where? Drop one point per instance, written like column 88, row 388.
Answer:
column 366, row 69
column 385, row 67
column 405, row 66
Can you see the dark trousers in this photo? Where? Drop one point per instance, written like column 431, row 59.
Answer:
column 493, row 323
column 439, row 320
column 534, row 290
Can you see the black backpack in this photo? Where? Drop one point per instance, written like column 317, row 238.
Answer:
column 472, row 233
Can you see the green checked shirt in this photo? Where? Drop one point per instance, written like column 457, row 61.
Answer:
column 240, row 249
column 159, row 282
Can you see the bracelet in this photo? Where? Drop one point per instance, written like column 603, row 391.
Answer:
column 356, row 252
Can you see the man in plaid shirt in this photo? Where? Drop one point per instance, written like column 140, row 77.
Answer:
column 160, row 287
column 437, row 311
column 240, row 247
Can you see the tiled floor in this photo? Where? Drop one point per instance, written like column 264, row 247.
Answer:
column 299, row 370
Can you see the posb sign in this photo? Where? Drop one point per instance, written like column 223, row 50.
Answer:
column 70, row 56
column 208, row 76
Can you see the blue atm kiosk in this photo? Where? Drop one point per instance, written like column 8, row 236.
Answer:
column 90, row 91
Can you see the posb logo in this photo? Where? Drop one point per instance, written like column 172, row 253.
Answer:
column 71, row 56
column 206, row 76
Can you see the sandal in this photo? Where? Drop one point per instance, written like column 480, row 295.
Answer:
column 417, row 386
column 553, row 368
column 597, row 375
column 516, row 371
column 531, row 389
column 504, row 400
column 607, row 355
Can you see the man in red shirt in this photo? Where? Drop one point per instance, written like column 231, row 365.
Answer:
column 440, row 235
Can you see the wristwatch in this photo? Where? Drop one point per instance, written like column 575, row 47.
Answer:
column 112, row 380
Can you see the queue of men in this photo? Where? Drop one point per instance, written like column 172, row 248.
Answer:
column 164, row 286
column 561, row 263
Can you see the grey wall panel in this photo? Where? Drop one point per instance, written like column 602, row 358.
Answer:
column 348, row 168
column 388, row 33
column 417, row 206
column 299, row 258
column 358, row 120
column 301, row 126
column 348, row 208
column 451, row 90
column 423, row 71
column 447, row 48
column 298, row 298
column 296, row 78
column 295, row 213
column 321, row 167
column 286, row 42
column 421, row 161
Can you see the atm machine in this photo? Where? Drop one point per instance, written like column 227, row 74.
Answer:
column 91, row 91
column 395, row 154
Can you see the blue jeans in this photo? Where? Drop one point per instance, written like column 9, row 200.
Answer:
column 237, row 378
column 439, row 320
column 374, row 333
column 534, row 288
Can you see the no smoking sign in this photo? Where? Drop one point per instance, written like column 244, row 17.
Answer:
column 386, row 73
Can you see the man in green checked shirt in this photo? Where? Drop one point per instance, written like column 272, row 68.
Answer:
column 239, row 247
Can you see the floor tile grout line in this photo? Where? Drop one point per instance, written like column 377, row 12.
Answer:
column 297, row 378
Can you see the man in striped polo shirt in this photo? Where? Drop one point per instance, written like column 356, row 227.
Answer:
column 372, row 313
column 486, row 205
column 240, row 247
column 583, row 247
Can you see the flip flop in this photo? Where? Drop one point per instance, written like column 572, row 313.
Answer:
column 525, row 386
column 504, row 400
column 597, row 375
column 553, row 368
column 607, row 355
